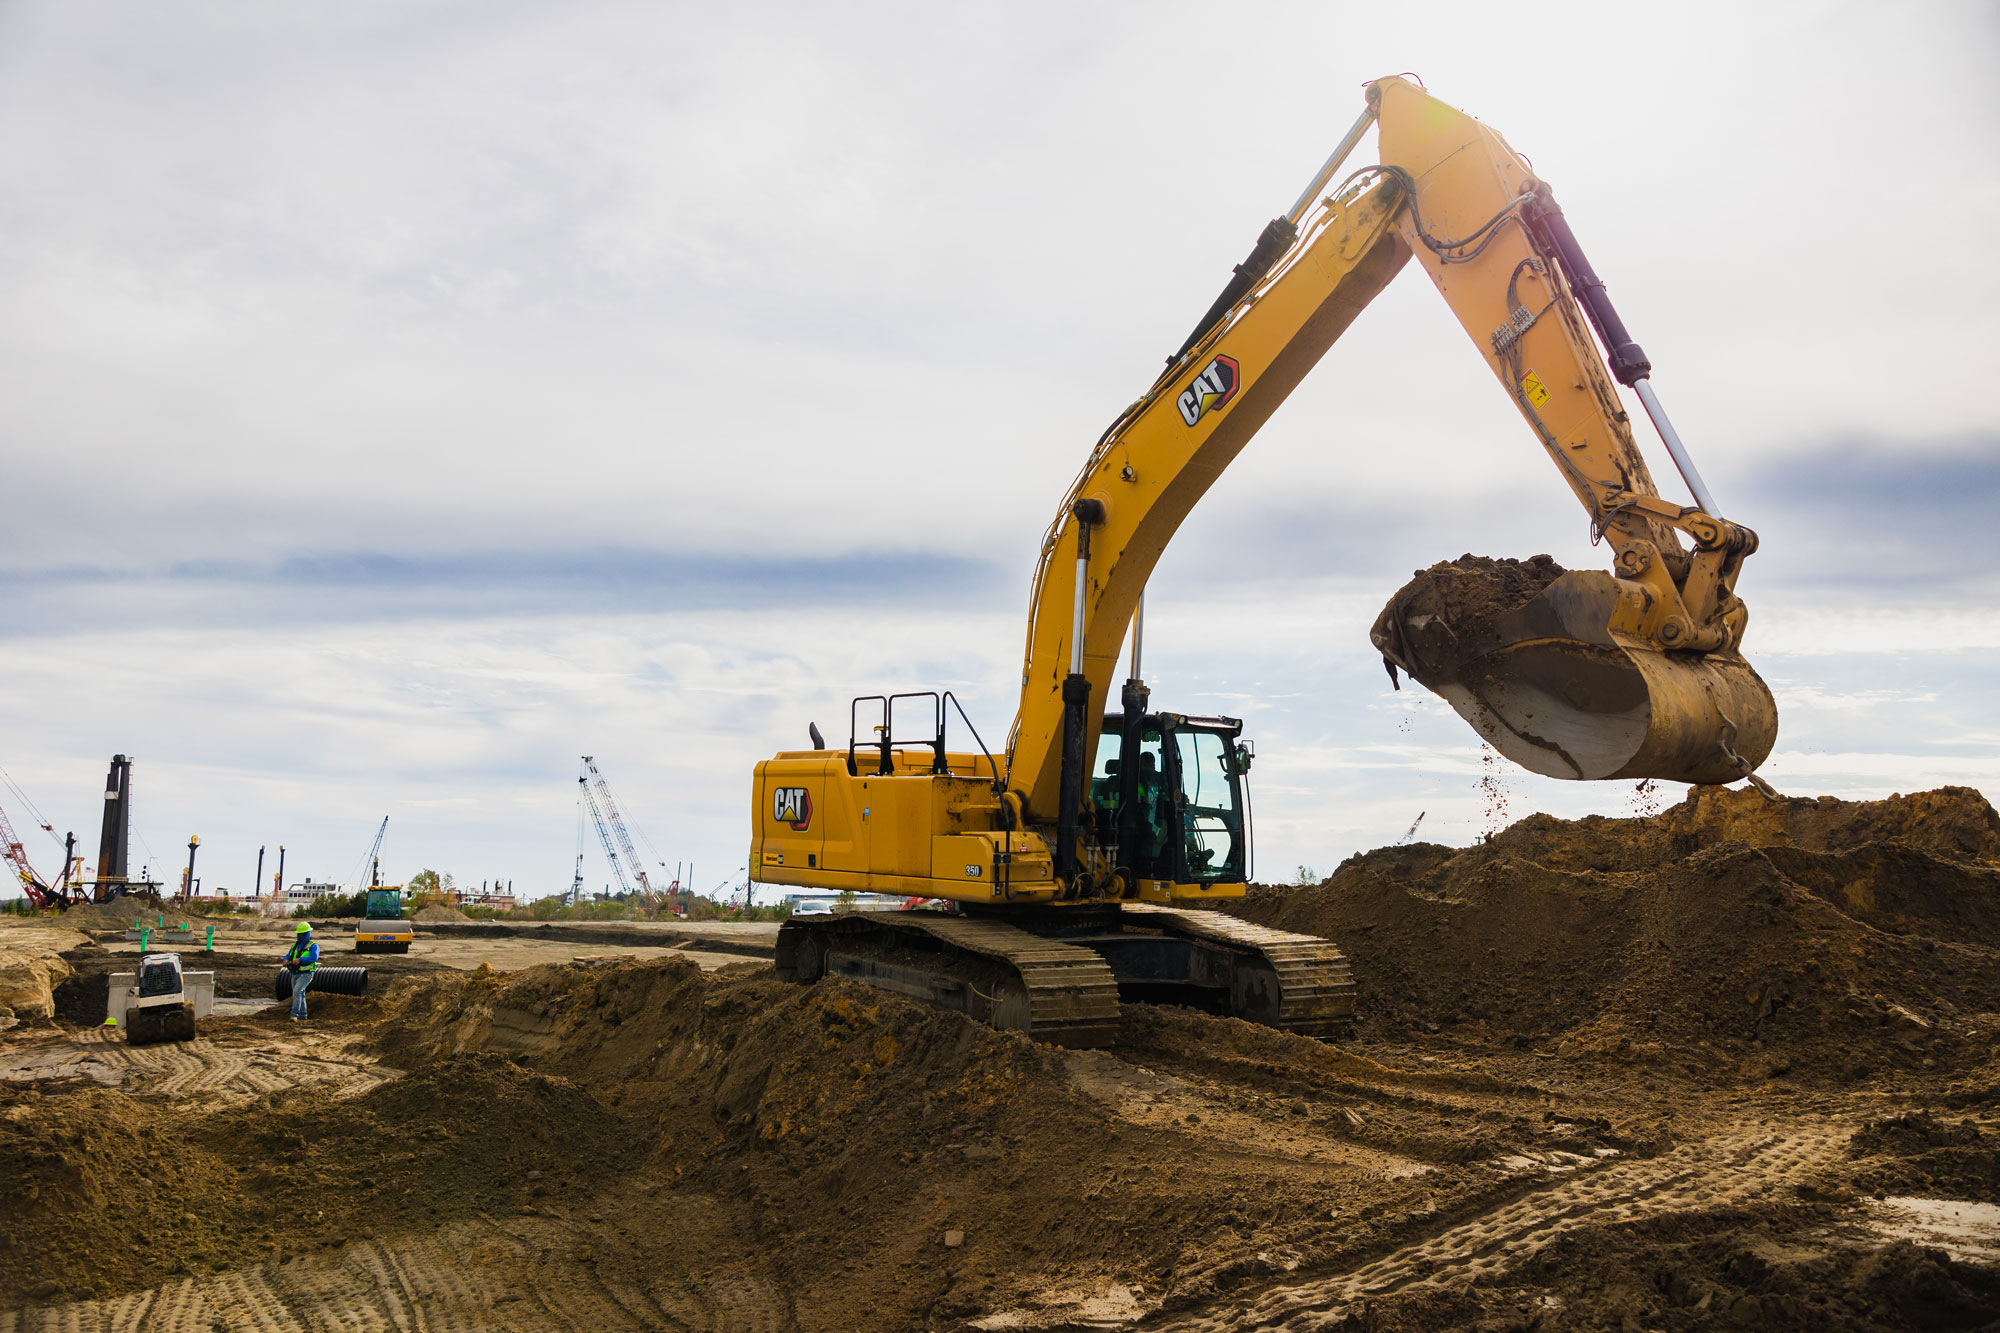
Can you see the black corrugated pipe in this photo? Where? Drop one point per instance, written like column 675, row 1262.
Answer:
column 326, row 981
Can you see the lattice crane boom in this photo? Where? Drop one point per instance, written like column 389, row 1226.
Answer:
column 603, row 836
column 610, row 806
column 371, row 865
column 39, row 893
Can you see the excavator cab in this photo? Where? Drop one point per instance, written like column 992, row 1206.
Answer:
column 1189, row 794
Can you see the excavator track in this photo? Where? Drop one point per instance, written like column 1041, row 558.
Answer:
column 999, row 974
column 1300, row 983
column 1056, row 976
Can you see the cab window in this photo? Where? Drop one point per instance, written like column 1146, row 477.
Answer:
column 1212, row 820
column 1155, row 801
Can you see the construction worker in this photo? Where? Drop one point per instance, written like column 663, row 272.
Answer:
column 303, row 959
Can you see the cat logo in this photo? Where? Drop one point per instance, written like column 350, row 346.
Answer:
column 1212, row 390
column 794, row 806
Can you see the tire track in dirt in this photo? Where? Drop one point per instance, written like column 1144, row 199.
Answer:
column 1714, row 1173
column 470, row 1278
column 219, row 1073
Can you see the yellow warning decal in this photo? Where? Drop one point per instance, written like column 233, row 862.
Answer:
column 1536, row 391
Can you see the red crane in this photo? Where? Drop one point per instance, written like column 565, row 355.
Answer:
column 39, row 893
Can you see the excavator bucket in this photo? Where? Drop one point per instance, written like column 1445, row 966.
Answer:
column 1524, row 652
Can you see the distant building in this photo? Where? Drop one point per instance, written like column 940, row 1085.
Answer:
column 298, row 895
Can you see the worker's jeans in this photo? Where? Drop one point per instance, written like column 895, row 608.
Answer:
column 300, row 980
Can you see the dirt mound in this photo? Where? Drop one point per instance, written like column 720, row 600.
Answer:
column 436, row 913
column 1727, row 1271
column 1819, row 938
column 850, row 1131
column 32, row 968
column 125, row 1196
column 97, row 1179
column 1434, row 619
column 1919, row 1153
column 1470, row 592
column 118, row 914
column 1954, row 822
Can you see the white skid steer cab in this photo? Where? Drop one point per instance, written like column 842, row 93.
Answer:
column 160, row 1002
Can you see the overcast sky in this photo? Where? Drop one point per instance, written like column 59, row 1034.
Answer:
column 399, row 400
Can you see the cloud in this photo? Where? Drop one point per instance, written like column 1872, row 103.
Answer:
column 384, row 587
column 1879, row 517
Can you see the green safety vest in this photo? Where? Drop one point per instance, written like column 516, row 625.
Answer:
column 306, row 960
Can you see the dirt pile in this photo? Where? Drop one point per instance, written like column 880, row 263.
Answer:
column 850, row 1132
column 799, row 1109
column 435, row 913
column 1922, row 1153
column 118, row 914
column 1821, row 938
column 32, row 968
column 1469, row 593
column 1954, row 822
column 1435, row 618
column 127, row 1196
column 1724, row 1271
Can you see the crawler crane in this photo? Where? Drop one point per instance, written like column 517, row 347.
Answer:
column 1073, row 856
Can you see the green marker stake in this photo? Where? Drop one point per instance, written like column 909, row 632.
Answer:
column 163, row 921
column 145, row 934
column 210, row 946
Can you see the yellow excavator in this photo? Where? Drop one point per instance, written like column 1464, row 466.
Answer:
column 1072, row 859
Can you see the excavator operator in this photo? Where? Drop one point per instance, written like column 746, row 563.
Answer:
column 1155, row 813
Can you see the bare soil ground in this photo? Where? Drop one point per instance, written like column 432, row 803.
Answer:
column 1735, row 1065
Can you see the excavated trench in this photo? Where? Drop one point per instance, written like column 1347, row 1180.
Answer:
column 1734, row 1062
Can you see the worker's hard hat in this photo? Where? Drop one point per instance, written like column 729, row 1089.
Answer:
column 305, row 928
